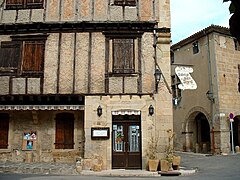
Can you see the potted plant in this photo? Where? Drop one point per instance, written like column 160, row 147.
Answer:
column 167, row 162
column 151, row 153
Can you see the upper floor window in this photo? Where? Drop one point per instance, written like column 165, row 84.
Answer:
column 24, row 4
column 23, row 55
column 123, row 56
column 125, row 2
column 195, row 47
column 237, row 45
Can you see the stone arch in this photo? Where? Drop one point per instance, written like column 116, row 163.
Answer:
column 197, row 130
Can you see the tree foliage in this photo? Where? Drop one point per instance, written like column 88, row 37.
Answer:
column 234, row 21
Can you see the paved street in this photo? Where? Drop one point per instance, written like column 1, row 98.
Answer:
column 208, row 167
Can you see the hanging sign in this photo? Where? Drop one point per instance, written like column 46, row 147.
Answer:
column 187, row 82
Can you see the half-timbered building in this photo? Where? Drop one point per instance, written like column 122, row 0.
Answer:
column 79, row 79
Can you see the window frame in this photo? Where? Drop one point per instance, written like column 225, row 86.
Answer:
column 10, row 50
column 110, row 35
column 24, row 4
column 125, row 2
column 37, row 48
column 125, row 62
column 195, row 47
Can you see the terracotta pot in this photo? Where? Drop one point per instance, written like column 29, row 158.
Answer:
column 165, row 165
column 153, row 164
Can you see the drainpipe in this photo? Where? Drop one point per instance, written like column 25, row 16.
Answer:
column 210, row 93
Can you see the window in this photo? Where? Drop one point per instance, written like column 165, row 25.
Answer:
column 33, row 55
column 23, row 55
column 176, row 92
column 195, row 47
column 125, row 2
column 4, row 128
column 9, row 55
column 237, row 45
column 24, row 4
column 123, row 55
column 64, row 131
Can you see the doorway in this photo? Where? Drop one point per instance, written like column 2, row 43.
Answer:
column 203, row 133
column 126, row 142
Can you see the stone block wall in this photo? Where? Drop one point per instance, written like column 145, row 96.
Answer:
column 44, row 125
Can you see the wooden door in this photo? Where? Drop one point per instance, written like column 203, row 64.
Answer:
column 126, row 144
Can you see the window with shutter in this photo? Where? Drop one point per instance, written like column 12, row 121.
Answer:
column 33, row 55
column 24, row 4
column 23, row 56
column 195, row 47
column 123, row 55
column 64, row 131
column 125, row 2
column 9, row 56
column 4, row 128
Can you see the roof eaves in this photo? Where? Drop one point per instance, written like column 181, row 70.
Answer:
column 202, row 33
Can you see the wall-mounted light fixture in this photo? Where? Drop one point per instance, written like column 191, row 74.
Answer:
column 151, row 110
column 99, row 111
column 157, row 75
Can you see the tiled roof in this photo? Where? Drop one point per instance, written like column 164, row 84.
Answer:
column 202, row 33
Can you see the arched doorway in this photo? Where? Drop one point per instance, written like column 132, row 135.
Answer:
column 198, row 133
column 202, row 134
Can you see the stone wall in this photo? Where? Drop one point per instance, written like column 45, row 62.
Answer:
column 43, row 122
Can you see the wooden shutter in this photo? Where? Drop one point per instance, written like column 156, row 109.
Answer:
column 9, row 54
column 68, row 134
column 64, row 131
column 125, row 2
column 118, row 2
column 14, row 4
column 59, row 141
column 33, row 56
column 34, row 3
column 4, row 128
column 130, row 2
column 123, row 60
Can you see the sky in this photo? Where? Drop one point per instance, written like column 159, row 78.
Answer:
column 191, row 16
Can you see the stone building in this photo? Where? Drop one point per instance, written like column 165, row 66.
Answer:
column 201, row 115
column 78, row 80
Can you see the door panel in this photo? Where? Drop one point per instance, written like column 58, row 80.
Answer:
column 134, row 155
column 126, row 145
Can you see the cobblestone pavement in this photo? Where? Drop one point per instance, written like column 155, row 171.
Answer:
column 70, row 169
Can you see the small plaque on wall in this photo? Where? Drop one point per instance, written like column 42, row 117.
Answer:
column 100, row 133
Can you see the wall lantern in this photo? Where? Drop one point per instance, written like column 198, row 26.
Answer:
column 157, row 75
column 151, row 110
column 99, row 111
